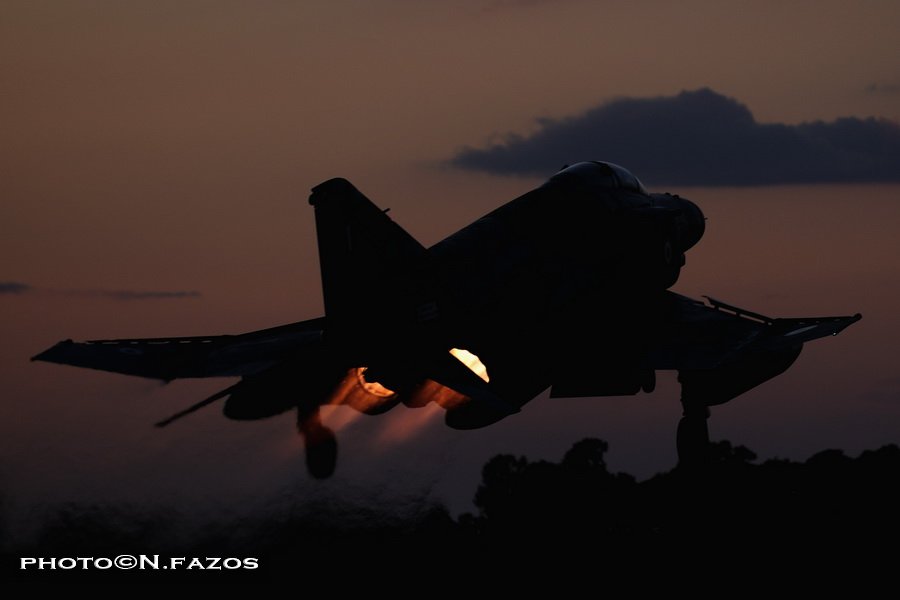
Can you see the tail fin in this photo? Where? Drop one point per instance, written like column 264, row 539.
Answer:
column 374, row 274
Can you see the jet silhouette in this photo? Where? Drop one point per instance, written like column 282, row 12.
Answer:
column 565, row 287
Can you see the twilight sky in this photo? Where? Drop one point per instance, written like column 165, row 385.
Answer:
column 157, row 159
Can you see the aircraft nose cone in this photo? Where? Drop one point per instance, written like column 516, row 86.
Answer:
column 694, row 224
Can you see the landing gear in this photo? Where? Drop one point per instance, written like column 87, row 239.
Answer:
column 319, row 441
column 692, row 439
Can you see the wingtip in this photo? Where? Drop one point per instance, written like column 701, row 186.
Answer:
column 42, row 356
column 47, row 355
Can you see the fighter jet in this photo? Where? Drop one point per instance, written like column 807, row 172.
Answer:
column 565, row 287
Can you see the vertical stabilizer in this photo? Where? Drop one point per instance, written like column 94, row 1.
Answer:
column 374, row 274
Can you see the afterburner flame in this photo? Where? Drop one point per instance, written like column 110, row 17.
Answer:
column 472, row 362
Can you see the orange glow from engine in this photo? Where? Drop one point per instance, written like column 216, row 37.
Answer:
column 472, row 362
column 406, row 424
column 355, row 392
column 373, row 387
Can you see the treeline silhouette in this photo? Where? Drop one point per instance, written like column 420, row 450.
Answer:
column 735, row 510
column 829, row 495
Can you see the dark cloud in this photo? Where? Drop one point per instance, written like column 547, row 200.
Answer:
column 699, row 138
column 13, row 287
column 138, row 295
column 883, row 88
column 504, row 4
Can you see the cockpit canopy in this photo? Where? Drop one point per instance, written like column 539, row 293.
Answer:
column 605, row 175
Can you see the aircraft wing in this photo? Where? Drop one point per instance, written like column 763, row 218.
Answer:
column 199, row 356
column 719, row 350
column 694, row 335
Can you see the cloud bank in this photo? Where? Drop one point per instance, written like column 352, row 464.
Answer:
column 699, row 138
column 13, row 287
